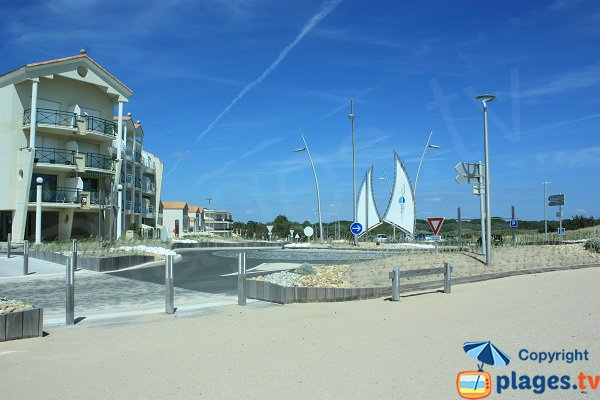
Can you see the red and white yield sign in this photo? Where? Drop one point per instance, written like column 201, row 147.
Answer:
column 435, row 223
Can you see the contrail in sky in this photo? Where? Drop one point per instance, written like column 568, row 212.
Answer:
column 328, row 7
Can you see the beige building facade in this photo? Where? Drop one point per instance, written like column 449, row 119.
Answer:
column 57, row 126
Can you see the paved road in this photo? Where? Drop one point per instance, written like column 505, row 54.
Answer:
column 198, row 283
column 202, row 270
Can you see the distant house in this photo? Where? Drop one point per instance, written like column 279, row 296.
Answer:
column 175, row 214
column 196, row 216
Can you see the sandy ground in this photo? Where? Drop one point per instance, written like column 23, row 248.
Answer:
column 373, row 349
column 504, row 258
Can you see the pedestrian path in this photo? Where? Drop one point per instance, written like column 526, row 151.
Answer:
column 13, row 267
column 97, row 295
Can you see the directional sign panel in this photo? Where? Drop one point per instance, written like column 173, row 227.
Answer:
column 435, row 223
column 356, row 228
column 467, row 169
column 472, row 180
column 556, row 200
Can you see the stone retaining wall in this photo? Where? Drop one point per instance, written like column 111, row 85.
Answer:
column 98, row 264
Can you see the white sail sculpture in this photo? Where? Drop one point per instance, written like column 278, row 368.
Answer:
column 367, row 213
column 401, row 208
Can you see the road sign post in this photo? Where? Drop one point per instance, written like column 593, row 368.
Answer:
column 513, row 224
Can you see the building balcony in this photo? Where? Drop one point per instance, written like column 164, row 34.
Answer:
column 137, row 157
column 49, row 157
column 58, row 195
column 98, row 161
column 128, row 207
column 148, row 211
column 62, row 122
column 129, row 180
column 149, row 187
column 55, row 118
column 148, row 163
column 101, row 126
column 138, row 183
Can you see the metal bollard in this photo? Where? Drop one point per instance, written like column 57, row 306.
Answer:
column 25, row 257
column 447, row 278
column 70, row 301
column 395, row 277
column 242, row 279
column 8, row 245
column 169, row 292
column 74, row 250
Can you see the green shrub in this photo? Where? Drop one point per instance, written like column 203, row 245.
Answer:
column 305, row 269
column 593, row 244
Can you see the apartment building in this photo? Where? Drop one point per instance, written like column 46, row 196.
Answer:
column 56, row 123
column 218, row 222
column 141, row 180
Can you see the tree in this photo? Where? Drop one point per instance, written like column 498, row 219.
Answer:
column 281, row 226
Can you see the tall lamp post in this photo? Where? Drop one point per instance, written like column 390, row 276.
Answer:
column 351, row 118
column 486, row 98
column 545, row 215
column 38, row 210
column 305, row 148
column 428, row 145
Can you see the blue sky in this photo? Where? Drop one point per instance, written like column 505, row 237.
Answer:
column 224, row 88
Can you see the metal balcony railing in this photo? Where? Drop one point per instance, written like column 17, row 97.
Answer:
column 137, row 207
column 51, row 117
column 148, row 163
column 56, row 195
column 149, row 187
column 97, row 197
column 138, row 157
column 49, row 155
column 147, row 209
column 103, row 126
column 138, row 183
column 129, row 179
column 129, row 151
column 100, row 161
column 129, row 205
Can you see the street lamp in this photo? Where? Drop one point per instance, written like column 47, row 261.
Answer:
column 305, row 148
column 486, row 98
column 351, row 118
column 545, row 215
column 38, row 210
column 120, row 212
column 427, row 146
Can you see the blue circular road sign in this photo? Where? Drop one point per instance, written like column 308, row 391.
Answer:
column 356, row 228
